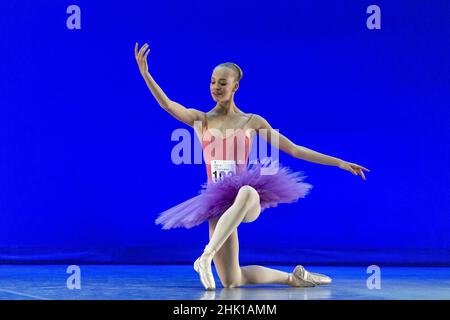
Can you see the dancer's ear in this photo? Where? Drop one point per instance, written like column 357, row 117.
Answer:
column 236, row 86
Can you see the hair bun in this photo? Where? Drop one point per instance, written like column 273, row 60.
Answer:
column 235, row 67
column 240, row 73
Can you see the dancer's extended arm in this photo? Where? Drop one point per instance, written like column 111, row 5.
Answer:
column 265, row 130
column 185, row 115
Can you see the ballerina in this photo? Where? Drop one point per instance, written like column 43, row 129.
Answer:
column 236, row 192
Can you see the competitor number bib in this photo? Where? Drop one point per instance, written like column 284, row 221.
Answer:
column 222, row 168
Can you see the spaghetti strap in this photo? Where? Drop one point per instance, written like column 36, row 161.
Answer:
column 249, row 118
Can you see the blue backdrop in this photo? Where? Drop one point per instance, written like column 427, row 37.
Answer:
column 85, row 162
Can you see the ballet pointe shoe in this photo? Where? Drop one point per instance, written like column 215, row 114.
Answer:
column 301, row 278
column 304, row 278
column 320, row 279
column 203, row 267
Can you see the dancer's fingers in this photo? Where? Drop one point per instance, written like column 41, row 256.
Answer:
column 146, row 54
column 362, row 174
column 142, row 48
column 361, row 167
column 354, row 168
column 141, row 52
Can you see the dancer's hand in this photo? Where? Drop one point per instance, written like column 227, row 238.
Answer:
column 141, row 57
column 354, row 168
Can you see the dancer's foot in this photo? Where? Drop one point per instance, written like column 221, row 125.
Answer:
column 300, row 277
column 320, row 279
column 304, row 278
column 203, row 267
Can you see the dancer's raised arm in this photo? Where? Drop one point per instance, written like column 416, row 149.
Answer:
column 185, row 115
column 265, row 130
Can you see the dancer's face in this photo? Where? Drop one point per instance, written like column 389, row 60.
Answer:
column 223, row 84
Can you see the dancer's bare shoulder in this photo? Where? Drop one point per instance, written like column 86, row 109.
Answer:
column 197, row 115
column 258, row 122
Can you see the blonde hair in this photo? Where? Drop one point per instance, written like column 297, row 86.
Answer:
column 237, row 70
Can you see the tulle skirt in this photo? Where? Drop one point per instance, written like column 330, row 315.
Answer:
column 214, row 198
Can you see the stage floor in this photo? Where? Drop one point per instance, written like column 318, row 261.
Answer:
column 175, row 282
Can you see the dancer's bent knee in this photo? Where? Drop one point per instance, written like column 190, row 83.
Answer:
column 248, row 194
column 250, row 203
column 253, row 213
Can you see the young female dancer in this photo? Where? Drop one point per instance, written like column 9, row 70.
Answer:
column 235, row 192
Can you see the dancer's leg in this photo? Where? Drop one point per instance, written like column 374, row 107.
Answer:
column 223, row 235
column 226, row 260
column 223, row 247
column 258, row 274
column 245, row 204
column 231, row 274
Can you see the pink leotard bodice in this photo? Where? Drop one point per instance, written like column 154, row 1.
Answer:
column 235, row 146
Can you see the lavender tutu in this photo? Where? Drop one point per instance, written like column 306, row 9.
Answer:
column 215, row 198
